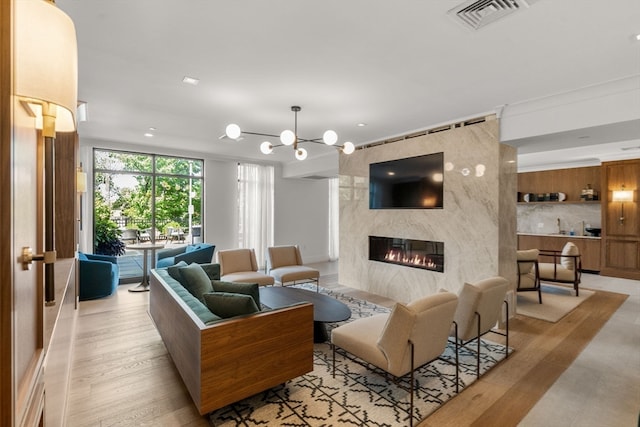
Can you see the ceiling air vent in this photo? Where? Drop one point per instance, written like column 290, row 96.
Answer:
column 475, row 14
column 315, row 177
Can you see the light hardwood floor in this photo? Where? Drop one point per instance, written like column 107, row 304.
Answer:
column 123, row 376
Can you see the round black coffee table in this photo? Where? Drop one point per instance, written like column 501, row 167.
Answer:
column 325, row 308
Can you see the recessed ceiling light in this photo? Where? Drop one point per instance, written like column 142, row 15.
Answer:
column 148, row 135
column 361, row 125
column 190, row 80
column 638, row 37
column 152, row 128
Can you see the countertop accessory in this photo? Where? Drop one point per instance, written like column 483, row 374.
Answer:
column 595, row 231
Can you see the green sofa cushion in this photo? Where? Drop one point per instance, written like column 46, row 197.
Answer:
column 195, row 280
column 212, row 270
column 238, row 288
column 200, row 310
column 226, row 304
column 174, row 270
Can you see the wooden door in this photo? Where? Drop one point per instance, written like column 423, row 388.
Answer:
column 621, row 237
column 21, row 291
column 28, row 289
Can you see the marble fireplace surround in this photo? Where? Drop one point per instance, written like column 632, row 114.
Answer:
column 477, row 223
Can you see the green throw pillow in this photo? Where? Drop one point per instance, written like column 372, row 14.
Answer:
column 238, row 288
column 174, row 270
column 225, row 304
column 212, row 270
column 195, row 280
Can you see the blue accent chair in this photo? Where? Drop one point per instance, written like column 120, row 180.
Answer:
column 202, row 253
column 99, row 275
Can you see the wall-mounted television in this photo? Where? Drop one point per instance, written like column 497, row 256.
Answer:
column 409, row 183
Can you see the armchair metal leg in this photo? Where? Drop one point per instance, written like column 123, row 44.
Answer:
column 539, row 294
column 412, row 386
column 506, row 317
column 478, row 352
column 333, row 350
column 537, row 283
column 478, row 335
column 455, row 325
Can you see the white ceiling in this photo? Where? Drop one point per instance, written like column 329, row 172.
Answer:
column 397, row 66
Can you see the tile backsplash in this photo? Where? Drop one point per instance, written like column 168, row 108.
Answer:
column 541, row 218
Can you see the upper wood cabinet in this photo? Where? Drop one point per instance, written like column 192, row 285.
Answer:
column 567, row 181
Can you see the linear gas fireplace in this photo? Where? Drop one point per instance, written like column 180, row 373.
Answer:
column 423, row 254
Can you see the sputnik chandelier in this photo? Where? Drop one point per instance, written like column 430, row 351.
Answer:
column 291, row 138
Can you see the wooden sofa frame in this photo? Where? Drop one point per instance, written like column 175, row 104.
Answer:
column 233, row 359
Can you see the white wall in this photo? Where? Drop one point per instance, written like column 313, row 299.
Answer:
column 220, row 203
column 301, row 215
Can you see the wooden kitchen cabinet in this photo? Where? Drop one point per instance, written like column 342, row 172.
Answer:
column 589, row 247
column 568, row 181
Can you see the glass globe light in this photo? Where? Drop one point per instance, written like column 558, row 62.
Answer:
column 301, row 154
column 348, row 147
column 330, row 137
column 266, row 147
column 233, row 131
column 287, row 137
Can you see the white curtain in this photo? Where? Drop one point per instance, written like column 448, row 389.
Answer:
column 255, row 208
column 334, row 220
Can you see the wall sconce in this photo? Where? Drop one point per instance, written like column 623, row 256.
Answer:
column 81, row 180
column 622, row 196
column 47, row 65
column 46, row 83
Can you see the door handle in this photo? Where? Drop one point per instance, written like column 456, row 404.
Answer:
column 49, row 257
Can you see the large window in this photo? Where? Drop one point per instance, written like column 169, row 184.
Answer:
column 148, row 197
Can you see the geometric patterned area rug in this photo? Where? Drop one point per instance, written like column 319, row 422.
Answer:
column 358, row 395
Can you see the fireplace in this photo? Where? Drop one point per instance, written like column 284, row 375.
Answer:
column 423, row 254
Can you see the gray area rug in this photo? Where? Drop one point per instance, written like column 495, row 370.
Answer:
column 557, row 302
column 357, row 396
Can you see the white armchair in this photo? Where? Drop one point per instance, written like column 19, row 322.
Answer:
column 478, row 312
column 285, row 264
column 529, row 272
column 565, row 265
column 240, row 265
column 402, row 341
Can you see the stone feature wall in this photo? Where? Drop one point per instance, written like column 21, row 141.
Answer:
column 477, row 223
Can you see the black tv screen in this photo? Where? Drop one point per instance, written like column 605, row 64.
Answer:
column 410, row 183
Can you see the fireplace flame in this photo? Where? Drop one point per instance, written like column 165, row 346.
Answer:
column 398, row 256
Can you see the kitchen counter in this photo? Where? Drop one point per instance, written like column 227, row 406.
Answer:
column 558, row 235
